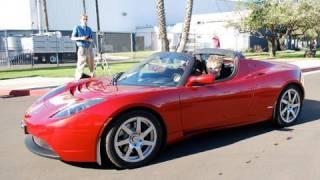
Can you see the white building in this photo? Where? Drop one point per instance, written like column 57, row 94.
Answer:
column 118, row 18
column 203, row 28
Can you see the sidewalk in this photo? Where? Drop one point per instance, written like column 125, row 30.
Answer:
column 306, row 65
column 35, row 86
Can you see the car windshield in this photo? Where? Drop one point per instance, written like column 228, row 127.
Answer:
column 161, row 69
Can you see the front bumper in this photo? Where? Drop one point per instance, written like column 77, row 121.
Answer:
column 39, row 147
column 72, row 139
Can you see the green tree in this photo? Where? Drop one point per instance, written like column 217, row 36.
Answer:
column 310, row 18
column 301, row 19
column 264, row 21
column 276, row 19
column 290, row 19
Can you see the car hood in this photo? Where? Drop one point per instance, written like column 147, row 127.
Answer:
column 102, row 88
column 81, row 90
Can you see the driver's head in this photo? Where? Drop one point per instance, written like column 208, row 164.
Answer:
column 214, row 63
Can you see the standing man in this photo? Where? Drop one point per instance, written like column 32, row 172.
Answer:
column 82, row 34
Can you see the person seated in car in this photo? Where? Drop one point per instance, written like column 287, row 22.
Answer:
column 214, row 65
column 199, row 67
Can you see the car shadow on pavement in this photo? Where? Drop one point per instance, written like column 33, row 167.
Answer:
column 87, row 165
column 217, row 139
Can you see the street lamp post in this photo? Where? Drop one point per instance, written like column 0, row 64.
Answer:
column 103, row 62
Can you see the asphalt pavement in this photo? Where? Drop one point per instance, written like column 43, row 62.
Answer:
column 252, row 152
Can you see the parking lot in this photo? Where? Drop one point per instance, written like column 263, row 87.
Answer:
column 253, row 152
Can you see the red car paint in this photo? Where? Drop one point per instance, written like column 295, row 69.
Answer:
column 247, row 97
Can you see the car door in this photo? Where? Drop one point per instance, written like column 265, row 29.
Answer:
column 267, row 88
column 219, row 104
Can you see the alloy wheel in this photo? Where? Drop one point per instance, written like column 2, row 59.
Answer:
column 135, row 139
column 290, row 105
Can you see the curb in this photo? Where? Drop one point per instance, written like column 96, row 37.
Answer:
column 23, row 92
column 310, row 69
column 41, row 91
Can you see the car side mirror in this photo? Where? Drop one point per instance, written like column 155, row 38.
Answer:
column 201, row 80
column 116, row 77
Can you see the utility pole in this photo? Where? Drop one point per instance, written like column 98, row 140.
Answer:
column 98, row 28
column 7, row 49
column 102, row 60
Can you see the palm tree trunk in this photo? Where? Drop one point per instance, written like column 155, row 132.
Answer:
column 162, row 25
column 186, row 27
column 46, row 15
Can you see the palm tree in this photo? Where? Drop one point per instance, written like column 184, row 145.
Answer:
column 162, row 25
column 186, row 26
column 46, row 15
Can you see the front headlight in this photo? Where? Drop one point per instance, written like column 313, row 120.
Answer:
column 75, row 108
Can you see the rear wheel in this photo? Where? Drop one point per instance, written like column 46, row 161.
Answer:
column 288, row 106
column 133, row 140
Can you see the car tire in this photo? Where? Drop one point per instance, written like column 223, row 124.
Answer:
column 127, row 146
column 288, row 106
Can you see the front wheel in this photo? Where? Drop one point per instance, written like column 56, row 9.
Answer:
column 289, row 106
column 133, row 140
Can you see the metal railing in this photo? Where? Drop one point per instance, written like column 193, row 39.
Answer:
column 26, row 59
column 29, row 51
column 11, row 58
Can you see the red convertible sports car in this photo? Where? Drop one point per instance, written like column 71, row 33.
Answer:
column 165, row 98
